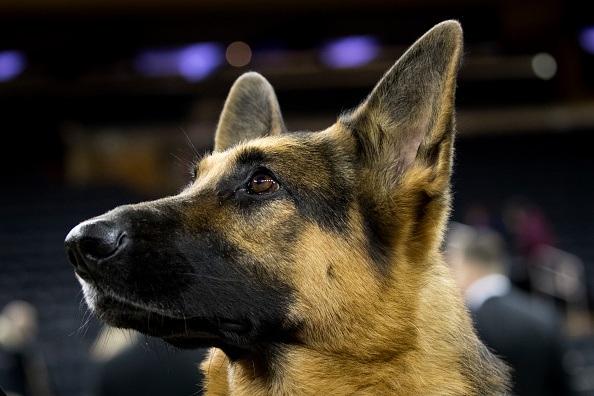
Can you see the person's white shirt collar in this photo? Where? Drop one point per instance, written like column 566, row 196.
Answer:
column 494, row 285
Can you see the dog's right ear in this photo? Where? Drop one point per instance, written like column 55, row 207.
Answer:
column 251, row 111
column 403, row 134
column 408, row 119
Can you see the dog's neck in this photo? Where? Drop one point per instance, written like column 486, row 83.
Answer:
column 308, row 372
column 441, row 357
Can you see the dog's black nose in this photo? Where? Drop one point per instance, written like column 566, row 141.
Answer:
column 92, row 241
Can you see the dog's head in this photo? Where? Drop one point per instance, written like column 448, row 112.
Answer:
column 289, row 237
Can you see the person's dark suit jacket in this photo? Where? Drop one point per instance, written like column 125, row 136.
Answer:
column 527, row 334
column 154, row 370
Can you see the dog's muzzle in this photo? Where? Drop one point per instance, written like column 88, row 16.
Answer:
column 92, row 242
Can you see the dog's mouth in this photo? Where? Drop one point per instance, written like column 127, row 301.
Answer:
column 225, row 331
column 182, row 332
column 220, row 332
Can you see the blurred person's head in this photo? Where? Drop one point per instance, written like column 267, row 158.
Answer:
column 18, row 324
column 475, row 252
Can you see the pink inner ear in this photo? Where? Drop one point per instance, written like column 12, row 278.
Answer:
column 409, row 152
column 411, row 141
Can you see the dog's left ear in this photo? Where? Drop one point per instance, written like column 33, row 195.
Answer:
column 251, row 111
column 408, row 119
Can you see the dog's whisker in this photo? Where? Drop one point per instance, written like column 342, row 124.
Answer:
column 80, row 328
column 190, row 143
column 85, row 320
column 216, row 278
column 106, row 332
column 183, row 162
column 84, row 327
column 185, row 324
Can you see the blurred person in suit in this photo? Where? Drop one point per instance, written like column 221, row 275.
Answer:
column 131, row 364
column 22, row 368
column 524, row 331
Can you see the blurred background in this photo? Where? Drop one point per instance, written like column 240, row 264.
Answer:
column 105, row 102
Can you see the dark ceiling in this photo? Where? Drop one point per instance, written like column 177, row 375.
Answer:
column 80, row 57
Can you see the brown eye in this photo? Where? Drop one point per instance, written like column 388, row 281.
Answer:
column 262, row 183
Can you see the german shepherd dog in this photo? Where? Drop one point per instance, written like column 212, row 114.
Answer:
column 309, row 262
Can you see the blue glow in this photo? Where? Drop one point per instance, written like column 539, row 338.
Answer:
column 193, row 62
column 350, row 51
column 12, row 64
column 199, row 60
column 586, row 39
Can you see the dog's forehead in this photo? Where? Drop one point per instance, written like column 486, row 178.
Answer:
column 261, row 151
column 298, row 158
column 272, row 147
column 221, row 164
column 212, row 167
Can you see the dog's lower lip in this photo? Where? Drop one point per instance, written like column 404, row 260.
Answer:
column 188, row 343
column 191, row 329
column 232, row 326
column 222, row 324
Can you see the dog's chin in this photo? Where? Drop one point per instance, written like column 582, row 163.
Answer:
column 184, row 332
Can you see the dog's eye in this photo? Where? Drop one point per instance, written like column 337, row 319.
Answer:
column 262, row 183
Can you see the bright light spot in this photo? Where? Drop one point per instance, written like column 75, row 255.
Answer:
column 12, row 63
column 238, row 54
column 544, row 66
column 350, row 51
column 586, row 39
column 193, row 62
column 199, row 60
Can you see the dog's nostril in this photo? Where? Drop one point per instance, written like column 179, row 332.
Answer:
column 98, row 247
column 72, row 257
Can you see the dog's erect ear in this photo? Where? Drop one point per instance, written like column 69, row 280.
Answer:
column 251, row 111
column 409, row 116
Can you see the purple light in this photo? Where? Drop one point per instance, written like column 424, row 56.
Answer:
column 193, row 62
column 350, row 51
column 12, row 63
column 586, row 39
column 199, row 60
